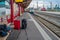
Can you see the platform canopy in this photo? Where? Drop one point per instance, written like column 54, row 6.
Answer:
column 24, row 4
column 19, row 1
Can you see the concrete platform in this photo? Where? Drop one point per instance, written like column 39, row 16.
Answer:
column 33, row 32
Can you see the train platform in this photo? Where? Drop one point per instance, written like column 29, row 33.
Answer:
column 34, row 31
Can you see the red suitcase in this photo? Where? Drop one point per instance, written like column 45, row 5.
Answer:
column 17, row 24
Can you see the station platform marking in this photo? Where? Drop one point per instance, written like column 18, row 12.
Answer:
column 29, row 20
column 43, row 33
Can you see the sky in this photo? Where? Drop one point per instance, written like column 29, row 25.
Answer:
column 45, row 2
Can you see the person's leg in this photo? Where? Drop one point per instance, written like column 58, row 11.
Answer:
column 8, row 29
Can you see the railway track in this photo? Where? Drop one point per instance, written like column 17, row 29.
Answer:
column 52, row 15
column 54, row 28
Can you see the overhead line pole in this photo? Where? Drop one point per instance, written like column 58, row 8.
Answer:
column 37, row 4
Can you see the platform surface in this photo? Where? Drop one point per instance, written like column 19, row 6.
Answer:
column 34, row 31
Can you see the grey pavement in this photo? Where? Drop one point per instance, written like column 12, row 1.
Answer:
column 31, row 33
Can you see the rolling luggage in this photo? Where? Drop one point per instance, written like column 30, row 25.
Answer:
column 24, row 23
column 17, row 24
